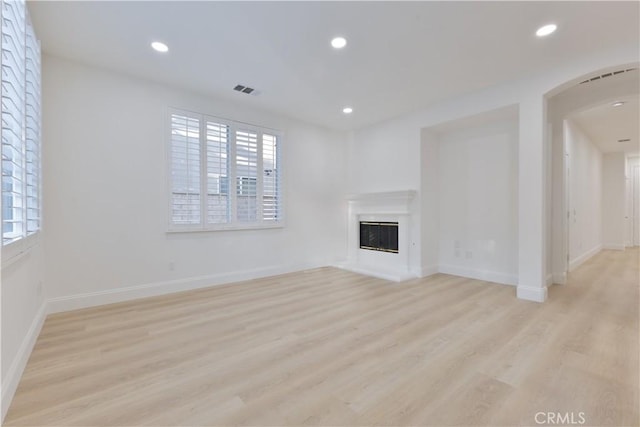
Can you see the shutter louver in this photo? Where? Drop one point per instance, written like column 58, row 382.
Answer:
column 185, row 170
column 13, row 113
column 271, row 179
column 218, row 203
column 32, row 132
column 246, row 176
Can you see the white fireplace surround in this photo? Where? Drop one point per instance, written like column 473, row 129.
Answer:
column 393, row 206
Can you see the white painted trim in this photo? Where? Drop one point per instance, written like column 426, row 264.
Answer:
column 559, row 278
column 549, row 280
column 264, row 225
column 12, row 379
column 19, row 249
column 489, row 276
column 614, row 247
column 395, row 197
column 531, row 293
column 92, row 299
column 428, row 270
column 577, row 262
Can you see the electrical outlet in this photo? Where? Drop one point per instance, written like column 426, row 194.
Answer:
column 172, row 265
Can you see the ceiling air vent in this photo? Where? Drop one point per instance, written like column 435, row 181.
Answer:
column 624, row 140
column 605, row 75
column 245, row 89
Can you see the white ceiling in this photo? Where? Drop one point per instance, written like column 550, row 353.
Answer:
column 606, row 125
column 400, row 56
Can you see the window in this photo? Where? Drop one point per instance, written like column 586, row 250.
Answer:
column 223, row 174
column 20, row 124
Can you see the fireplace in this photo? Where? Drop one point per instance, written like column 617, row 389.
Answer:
column 382, row 238
column 379, row 236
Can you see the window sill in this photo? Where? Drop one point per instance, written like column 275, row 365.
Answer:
column 19, row 249
column 234, row 227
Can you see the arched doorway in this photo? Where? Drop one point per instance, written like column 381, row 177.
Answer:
column 588, row 164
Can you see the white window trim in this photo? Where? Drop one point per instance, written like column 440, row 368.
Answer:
column 13, row 251
column 204, row 227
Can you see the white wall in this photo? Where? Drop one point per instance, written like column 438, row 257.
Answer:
column 429, row 198
column 585, row 195
column 478, row 203
column 106, row 200
column 390, row 155
column 614, row 201
column 23, row 312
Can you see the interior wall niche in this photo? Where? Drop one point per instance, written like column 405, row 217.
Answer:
column 470, row 196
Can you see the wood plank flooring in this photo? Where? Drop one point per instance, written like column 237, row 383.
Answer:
column 330, row 347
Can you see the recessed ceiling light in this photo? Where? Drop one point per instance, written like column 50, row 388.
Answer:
column 617, row 104
column 160, row 47
column 339, row 42
column 347, row 110
column 546, row 30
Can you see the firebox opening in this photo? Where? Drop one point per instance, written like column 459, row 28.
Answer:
column 379, row 236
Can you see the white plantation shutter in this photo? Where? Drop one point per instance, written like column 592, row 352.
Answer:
column 20, row 93
column 218, row 201
column 271, row 179
column 185, row 170
column 246, row 176
column 224, row 174
column 32, row 131
column 13, row 106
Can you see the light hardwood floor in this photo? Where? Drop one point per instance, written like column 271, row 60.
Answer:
column 329, row 347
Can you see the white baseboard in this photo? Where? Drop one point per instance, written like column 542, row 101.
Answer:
column 559, row 278
column 12, row 378
column 92, row 299
column 614, row 247
column 489, row 276
column 578, row 261
column 532, row 293
column 549, row 280
column 428, row 270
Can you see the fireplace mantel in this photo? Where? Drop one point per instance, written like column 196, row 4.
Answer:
column 395, row 201
column 394, row 206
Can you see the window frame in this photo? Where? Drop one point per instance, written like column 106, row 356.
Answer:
column 233, row 224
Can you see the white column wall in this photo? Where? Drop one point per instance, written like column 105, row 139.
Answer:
column 531, row 199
